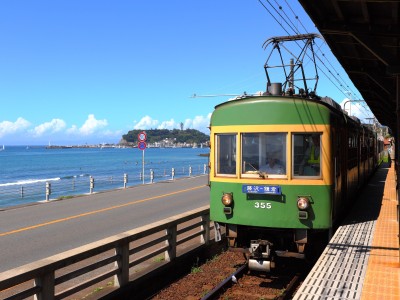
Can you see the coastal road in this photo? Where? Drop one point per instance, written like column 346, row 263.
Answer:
column 37, row 231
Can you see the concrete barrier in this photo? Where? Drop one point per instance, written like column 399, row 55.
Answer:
column 113, row 258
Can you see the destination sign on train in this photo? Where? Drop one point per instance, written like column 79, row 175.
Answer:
column 261, row 189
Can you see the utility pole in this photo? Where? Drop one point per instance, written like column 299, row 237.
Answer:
column 344, row 105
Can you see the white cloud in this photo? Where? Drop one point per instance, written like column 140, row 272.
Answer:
column 91, row 131
column 112, row 134
column 53, row 126
column 146, row 123
column 91, row 126
column 73, row 130
column 200, row 123
column 171, row 124
column 7, row 127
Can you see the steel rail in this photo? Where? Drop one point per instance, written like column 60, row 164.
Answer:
column 290, row 288
column 227, row 281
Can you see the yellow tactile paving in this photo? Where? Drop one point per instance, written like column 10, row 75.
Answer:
column 382, row 280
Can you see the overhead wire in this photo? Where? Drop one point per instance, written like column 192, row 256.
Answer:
column 319, row 48
column 272, row 15
column 296, row 16
column 340, row 81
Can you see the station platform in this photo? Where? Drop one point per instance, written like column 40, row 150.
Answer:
column 362, row 259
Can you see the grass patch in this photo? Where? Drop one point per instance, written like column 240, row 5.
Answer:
column 159, row 259
column 214, row 258
column 195, row 270
column 98, row 289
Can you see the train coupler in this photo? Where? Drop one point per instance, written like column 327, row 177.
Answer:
column 260, row 256
column 260, row 248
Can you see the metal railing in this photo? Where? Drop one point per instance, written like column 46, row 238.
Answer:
column 67, row 187
column 113, row 258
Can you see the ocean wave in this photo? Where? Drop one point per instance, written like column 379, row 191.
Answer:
column 28, row 181
column 75, row 176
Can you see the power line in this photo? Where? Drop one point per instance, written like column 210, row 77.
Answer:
column 340, row 81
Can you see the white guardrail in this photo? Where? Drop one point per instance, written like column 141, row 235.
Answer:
column 112, row 259
column 67, row 187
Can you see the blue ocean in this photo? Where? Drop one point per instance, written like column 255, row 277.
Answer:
column 25, row 171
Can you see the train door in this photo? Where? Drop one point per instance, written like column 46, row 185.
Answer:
column 353, row 163
column 339, row 140
column 343, row 165
column 335, row 142
column 360, row 161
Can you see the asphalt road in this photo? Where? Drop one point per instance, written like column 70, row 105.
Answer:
column 34, row 232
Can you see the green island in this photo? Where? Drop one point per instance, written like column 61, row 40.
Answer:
column 167, row 138
column 155, row 138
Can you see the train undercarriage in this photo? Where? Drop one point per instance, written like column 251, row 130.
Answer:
column 262, row 246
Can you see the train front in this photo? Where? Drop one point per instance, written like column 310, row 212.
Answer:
column 270, row 180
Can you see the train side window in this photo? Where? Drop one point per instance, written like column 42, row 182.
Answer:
column 307, row 155
column 225, row 154
column 264, row 154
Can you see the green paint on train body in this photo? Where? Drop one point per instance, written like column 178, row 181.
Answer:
column 272, row 211
column 270, row 110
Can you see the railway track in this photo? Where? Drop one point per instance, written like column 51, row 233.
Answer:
column 227, row 277
column 243, row 284
column 227, row 282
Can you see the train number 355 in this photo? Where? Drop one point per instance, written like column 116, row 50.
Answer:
column 262, row 205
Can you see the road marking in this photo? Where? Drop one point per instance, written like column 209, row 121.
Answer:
column 97, row 211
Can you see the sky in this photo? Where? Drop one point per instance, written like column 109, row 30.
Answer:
column 88, row 71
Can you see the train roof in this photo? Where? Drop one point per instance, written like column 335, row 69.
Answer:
column 325, row 101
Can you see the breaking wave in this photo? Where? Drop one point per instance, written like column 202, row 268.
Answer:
column 28, row 181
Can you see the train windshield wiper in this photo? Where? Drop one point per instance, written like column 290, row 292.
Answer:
column 261, row 174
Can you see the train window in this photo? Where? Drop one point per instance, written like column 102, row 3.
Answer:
column 225, row 154
column 306, row 155
column 264, row 153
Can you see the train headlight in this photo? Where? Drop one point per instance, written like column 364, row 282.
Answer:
column 303, row 203
column 227, row 199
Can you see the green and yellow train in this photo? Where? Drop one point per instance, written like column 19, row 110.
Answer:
column 283, row 169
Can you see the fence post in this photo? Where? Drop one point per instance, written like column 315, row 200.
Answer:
column 91, row 179
column 46, row 283
column 170, row 253
column 125, row 180
column 204, row 169
column 122, row 264
column 48, row 190
column 173, row 173
column 22, row 192
column 151, row 175
column 190, row 171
